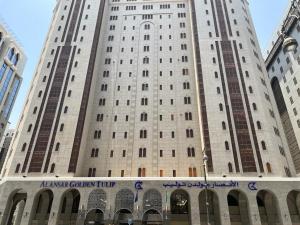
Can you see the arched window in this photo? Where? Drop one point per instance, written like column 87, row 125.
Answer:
column 230, row 168
column 269, row 169
column 15, row 59
column 24, row 147
column 29, row 128
column 141, row 172
column 57, row 146
column 18, row 168
column 226, row 145
column 52, row 168
column 224, row 125
column 10, row 53
column 250, row 90
column 258, row 125
column 221, row 107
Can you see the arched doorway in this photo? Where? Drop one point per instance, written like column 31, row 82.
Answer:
column 152, row 217
column 180, row 208
column 94, row 217
column 293, row 202
column 69, row 207
column 268, row 208
column 41, row 208
column 123, row 217
column 209, row 210
column 15, row 208
column 152, row 207
column 124, row 207
column 238, row 208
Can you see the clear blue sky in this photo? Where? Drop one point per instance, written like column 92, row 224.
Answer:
column 30, row 20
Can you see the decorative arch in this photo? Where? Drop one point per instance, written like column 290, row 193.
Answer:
column 152, row 200
column 213, row 207
column 13, row 212
column 69, row 207
column 124, row 200
column 180, row 207
column 42, row 205
column 268, row 208
column 238, row 207
column 293, row 202
column 94, row 216
column 152, row 216
column 97, row 200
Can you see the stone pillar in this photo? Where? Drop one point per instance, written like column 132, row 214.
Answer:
column 82, row 211
column 224, row 210
column 54, row 213
column 194, row 208
column 20, row 210
column 28, row 210
column 284, row 210
column 253, row 210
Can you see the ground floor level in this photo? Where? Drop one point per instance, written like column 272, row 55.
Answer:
column 150, row 201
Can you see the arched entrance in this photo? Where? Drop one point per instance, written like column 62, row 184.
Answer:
column 15, row 208
column 94, row 217
column 69, row 207
column 209, row 210
column 268, row 208
column 293, row 202
column 180, row 208
column 238, row 208
column 152, row 207
column 96, row 206
column 152, row 217
column 124, row 207
column 123, row 217
column 41, row 208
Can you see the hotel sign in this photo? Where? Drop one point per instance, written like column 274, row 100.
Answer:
column 78, row 184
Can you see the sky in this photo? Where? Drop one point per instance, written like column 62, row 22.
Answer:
column 30, row 19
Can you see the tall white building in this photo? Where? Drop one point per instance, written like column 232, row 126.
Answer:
column 128, row 89
column 12, row 63
column 284, row 70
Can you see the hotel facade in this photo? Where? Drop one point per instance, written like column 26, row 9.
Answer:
column 126, row 100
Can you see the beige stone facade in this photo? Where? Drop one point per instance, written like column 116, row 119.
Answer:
column 128, row 96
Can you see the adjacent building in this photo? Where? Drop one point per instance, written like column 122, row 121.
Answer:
column 284, row 71
column 12, row 63
column 127, row 98
column 4, row 145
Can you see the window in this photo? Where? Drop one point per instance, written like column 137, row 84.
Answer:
column 52, row 169
column 230, row 170
column 29, row 128
column 191, row 152
column 142, row 152
column 141, row 172
column 192, row 172
column 223, row 125
column 143, row 134
column 263, row 145
column 144, row 117
column 23, row 147
column 269, row 169
column 258, row 125
column 226, row 145
column 18, row 168
column 57, row 146
column 189, row 133
column 188, row 116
